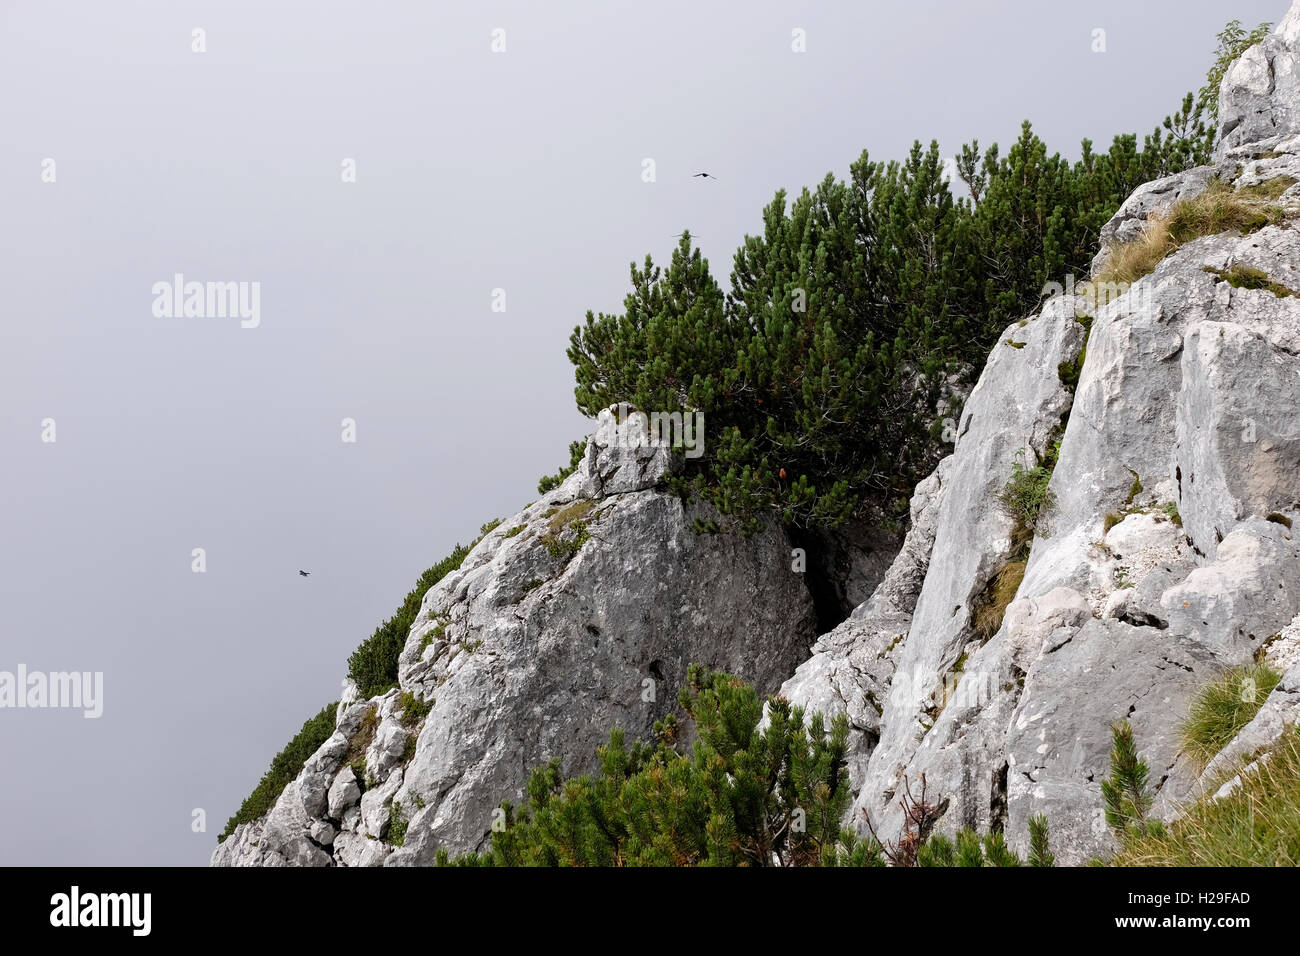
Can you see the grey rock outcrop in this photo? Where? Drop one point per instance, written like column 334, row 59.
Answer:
column 621, row 456
column 1177, row 371
column 1166, row 557
column 1259, row 96
column 535, row 658
column 1013, row 413
column 576, row 615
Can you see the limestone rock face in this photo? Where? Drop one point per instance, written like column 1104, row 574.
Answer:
column 993, row 669
column 852, row 666
column 537, row 656
column 576, row 615
column 1259, row 97
column 1013, row 413
column 1177, row 433
column 1166, row 557
column 621, row 456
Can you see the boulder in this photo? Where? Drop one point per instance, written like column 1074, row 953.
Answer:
column 1259, row 96
column 573, row 617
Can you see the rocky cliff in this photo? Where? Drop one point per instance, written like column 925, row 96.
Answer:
column 578, row 614
column 1167, row 556
column 990, row 657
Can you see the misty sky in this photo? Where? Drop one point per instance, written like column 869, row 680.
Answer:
column 475, row 171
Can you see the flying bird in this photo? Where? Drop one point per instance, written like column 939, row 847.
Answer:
column 704, row 176
column 304, row 573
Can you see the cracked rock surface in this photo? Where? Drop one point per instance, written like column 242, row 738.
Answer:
column 1167, row 556
column 576, row 615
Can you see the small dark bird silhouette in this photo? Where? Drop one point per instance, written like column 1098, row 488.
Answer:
column 304, row 573
column 704, row 176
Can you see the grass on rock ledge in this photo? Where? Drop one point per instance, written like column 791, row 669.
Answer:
column 1223, row 708
column 1218, row 209
column 1257, row 824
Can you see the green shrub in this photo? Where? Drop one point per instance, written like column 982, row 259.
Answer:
column 1040, row 854
column 1126, row 791
column 397, row 824
column 1027, row 499
column 1223, row 708
column 741, row 796
column 818, row 369
column 413, row 709
column 284, row 768
column 819, row 366
column 969, row 850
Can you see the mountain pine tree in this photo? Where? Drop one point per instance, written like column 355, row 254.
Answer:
column 1125, row 791
column 820, row 370
column 741, row 796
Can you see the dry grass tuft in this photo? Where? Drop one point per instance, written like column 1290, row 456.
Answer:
column 999, row 593
column 1218, row 209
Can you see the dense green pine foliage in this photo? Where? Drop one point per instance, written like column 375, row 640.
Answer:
column 742, row 796
column 746, row 794
column 819, row 369
column 286, row 765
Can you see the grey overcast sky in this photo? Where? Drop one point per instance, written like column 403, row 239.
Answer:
column 474, row 171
